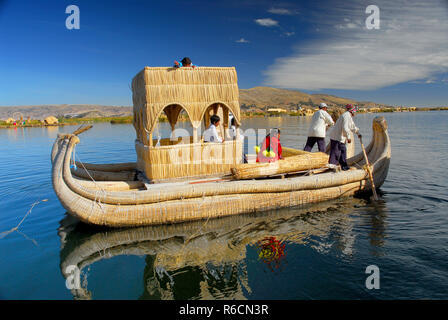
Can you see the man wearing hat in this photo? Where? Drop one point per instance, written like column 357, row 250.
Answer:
column 316, row 133
column 340, row 135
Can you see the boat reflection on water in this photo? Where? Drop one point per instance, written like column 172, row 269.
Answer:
column 207, row 259
column 374, row 220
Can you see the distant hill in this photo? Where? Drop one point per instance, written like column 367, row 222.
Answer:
column 254, row 99
column 64, row 110
column 267, row 97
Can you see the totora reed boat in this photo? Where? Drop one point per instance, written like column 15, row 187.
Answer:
column 185, row 179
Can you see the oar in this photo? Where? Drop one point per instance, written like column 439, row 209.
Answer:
column 369, row 169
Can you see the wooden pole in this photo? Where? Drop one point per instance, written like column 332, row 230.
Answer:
column 81, row 129
column 369, row 169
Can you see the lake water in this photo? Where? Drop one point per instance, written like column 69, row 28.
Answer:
column 327, row 246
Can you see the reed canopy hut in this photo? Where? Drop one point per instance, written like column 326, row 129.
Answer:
column 51, row 120
column 201, row 92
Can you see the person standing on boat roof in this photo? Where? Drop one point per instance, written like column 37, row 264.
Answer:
column 340, row 135
column 271, row 149
column 186, row 62
column 211, row 134
column 316, row 133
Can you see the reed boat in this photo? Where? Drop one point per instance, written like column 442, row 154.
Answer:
column 185, row 179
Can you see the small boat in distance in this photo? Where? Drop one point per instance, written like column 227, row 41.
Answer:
column 177, row 180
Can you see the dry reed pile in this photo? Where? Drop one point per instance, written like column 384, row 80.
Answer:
column 294, row 163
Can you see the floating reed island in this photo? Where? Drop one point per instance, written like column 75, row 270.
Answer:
column 185, row 179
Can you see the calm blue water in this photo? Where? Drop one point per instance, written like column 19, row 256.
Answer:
column 328, row 246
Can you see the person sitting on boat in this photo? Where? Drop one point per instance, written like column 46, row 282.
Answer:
column 271, row 149
column 233, row 132
column 316, row 133
column 211, row 134
column 340, row 135
column 185, row 62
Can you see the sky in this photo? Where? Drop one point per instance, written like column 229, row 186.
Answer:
column 312, row 46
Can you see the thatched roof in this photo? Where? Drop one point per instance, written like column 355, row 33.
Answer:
column 194, row 90
column 9, row 120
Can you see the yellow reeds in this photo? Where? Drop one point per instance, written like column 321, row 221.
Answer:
column 193, row 89
column 188, row 160
column 294, row 163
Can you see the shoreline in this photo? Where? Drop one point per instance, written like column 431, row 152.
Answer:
column 244, row 115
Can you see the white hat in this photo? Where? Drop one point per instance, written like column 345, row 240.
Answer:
column 322, row 105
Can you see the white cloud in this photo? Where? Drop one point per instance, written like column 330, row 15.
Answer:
column 289, row 34
column 281, row 11
column 411, row 44
column 266, row 22
column 242, row 40
column 349, row 25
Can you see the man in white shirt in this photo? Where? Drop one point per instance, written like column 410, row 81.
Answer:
column 316, row 133
column 340, row 135
column 211, row 134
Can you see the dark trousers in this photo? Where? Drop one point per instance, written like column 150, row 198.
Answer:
column 338, row 154
column 312, row 140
